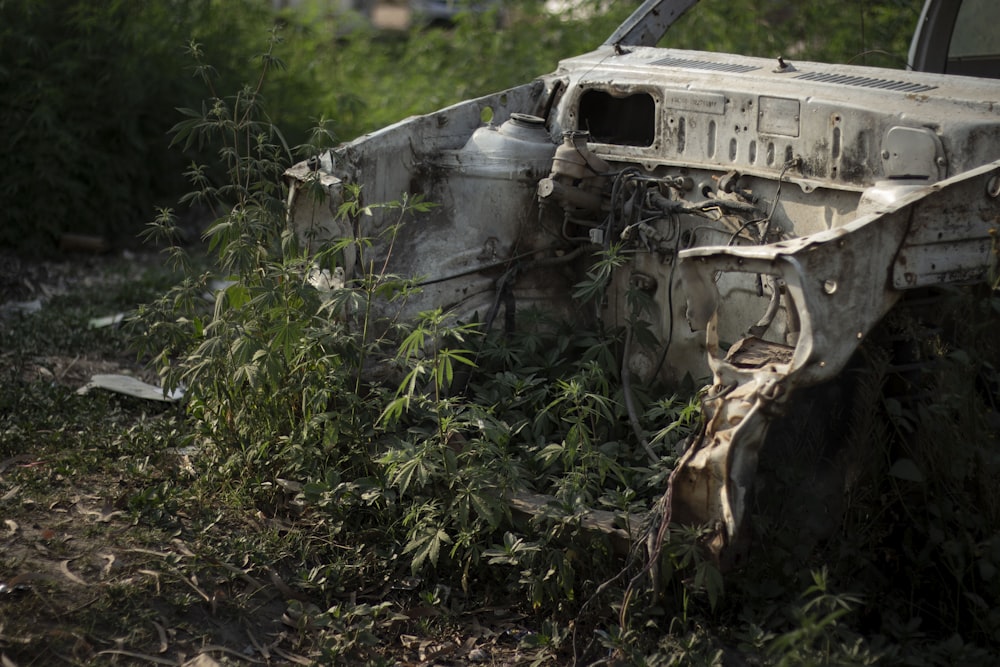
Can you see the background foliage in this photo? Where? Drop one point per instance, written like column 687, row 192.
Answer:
column 89, row 88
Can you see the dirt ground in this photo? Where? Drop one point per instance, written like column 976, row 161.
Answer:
column 108, row 557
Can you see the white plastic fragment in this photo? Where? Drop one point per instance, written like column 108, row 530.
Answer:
column 106, row 321
column 325, row 281
column 130, row 386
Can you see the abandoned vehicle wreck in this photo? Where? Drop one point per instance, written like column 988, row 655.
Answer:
column 772, row 211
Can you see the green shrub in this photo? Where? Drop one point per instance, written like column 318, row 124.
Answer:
column 89, row 91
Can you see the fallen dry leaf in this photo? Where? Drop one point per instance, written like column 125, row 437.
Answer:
column 182, row 548
column 104, row 515
column 140, row 656
column 201, row 660
column 429, row 654
column 155, row 575
column 110, row 561
column 163, row 637
column 261, row 648
column 192, row 582
column 210, row 648
column 64, row 568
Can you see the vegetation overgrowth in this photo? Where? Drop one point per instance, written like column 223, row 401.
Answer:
column 377, row 455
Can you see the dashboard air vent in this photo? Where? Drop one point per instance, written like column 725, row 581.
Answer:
column 704, row 65
column 865, row 82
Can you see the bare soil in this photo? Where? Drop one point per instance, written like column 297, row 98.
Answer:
column 109, row 554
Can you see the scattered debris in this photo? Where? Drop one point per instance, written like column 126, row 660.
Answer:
column 325, row 281
column 106, row 321
column 130, row 386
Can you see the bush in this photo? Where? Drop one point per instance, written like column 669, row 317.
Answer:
column 89, row 90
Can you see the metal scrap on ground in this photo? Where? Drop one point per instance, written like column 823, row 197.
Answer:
column 130, row 386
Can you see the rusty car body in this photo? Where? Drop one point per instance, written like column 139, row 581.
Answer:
column 773, row 211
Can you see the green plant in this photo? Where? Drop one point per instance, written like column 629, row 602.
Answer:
column 89, row 92
column 347, row 631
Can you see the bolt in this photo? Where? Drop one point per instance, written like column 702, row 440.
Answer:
column 885, row 155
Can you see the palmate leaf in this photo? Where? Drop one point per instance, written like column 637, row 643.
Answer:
column 413, row 344
column 444, row 372
column 709, row 578
column 237, row 296
column 186, row 132
column 487, row 507
column 394, row 410
column 409, row 467
column 590, row 288
column 426, row 546
column 285, row 337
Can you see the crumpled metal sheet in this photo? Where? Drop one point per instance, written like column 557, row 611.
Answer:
column 841, row 283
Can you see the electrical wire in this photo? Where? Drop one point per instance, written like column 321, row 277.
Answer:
column 794, row 162
column 617, row 185
column 506, row 263
column 670, row 308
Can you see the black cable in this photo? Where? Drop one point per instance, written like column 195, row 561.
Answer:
column 616, row 188
column 506, row 263
column 670, row 306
